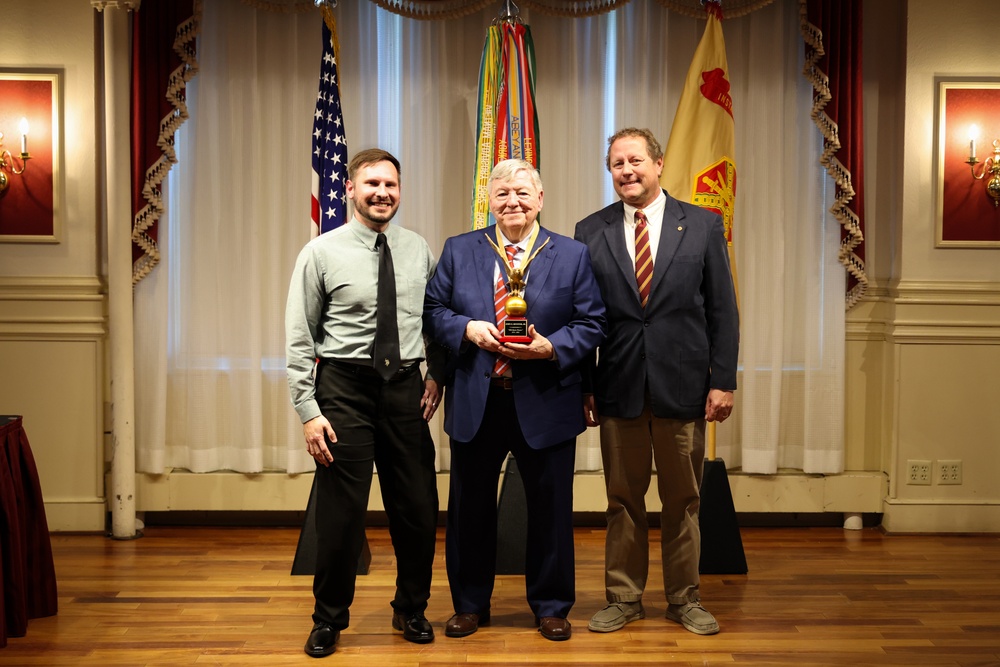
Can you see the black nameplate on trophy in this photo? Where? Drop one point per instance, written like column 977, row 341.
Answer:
column 515, row 330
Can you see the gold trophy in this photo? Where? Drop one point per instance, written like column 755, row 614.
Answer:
column 515, row 327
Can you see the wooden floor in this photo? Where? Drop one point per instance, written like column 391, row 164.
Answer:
column 816, row 596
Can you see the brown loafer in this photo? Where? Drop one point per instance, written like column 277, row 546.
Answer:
column 463, row 625
column 555, row 629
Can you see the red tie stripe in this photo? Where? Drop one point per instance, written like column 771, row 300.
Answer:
column 643, row 257
column 499, row 304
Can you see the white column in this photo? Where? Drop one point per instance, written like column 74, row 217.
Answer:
column 117, row 57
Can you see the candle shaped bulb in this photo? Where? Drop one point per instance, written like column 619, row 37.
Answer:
column 973, row 135
column 24, row 135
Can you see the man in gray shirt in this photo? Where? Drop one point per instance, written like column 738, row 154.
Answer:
column 358, row 407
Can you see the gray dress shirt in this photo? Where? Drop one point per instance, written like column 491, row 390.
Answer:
column 330, row 313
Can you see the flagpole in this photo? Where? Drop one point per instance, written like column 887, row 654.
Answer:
column 699, row 161
column 328, row 211
column 508, row 123
column 699, row 167
column 329, row 138
column 507, row 128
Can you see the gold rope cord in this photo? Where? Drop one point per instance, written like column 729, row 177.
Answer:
column 574, row 8
column 730, row 8
column 436, row 10
column 282, row 6
column 429, row 10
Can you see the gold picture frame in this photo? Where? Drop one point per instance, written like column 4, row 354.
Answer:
column 967, row 216
column 31, row 208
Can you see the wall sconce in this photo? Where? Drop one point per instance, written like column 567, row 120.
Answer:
column 7, row 161
column 991, row 166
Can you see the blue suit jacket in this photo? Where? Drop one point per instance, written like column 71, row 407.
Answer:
column 564, row 304
column 686, row 340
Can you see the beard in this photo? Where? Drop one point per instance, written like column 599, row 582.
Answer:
column 365, row 209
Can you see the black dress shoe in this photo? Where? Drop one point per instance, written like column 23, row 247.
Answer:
column 322, row 641
column 415, row 627
column 554, row 628
column 463, row 625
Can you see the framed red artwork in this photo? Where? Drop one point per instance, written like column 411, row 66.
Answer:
column 30, row 122
column 968, row 125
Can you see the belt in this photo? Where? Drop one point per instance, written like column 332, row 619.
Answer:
column 502, row 382
column 360, row 368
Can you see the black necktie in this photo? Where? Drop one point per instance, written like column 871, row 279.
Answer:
column 386, row 352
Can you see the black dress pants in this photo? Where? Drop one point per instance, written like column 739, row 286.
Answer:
column 471, row 535
column 377, row 422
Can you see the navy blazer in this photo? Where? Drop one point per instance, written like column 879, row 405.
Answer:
column 564, row 304
column 686, row 340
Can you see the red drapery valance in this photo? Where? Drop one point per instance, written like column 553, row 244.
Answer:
column 832, row 33
column 163, row 61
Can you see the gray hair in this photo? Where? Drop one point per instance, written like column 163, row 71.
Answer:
column 506, row 170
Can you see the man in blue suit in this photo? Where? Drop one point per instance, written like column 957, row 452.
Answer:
column 508, row 397
column 667, row 366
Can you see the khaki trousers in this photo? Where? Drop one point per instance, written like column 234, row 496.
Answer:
column 628, row 448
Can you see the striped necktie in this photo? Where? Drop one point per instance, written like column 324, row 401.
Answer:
column 499, row 304
column 643, row 257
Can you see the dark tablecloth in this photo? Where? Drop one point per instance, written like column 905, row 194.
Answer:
column 28, row 581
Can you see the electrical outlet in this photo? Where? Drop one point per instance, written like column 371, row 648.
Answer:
column 949, row 472
column 918, row 472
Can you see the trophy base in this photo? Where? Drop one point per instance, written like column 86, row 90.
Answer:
column 515, row 339
column 515, row 330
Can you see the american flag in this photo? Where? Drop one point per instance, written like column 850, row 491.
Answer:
column 329, row 158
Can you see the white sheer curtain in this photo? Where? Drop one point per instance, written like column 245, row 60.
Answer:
column 790, row 405
column 214, row 395
column 209, row 326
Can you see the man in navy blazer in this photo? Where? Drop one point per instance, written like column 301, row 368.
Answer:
column 522, row 398
column 667, row 366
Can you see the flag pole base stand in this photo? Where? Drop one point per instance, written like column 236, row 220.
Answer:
column 512, row 522
column 304, row 562
column 721, row 543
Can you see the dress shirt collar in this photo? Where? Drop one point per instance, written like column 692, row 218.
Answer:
column 368, row 235
column 654, row 212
